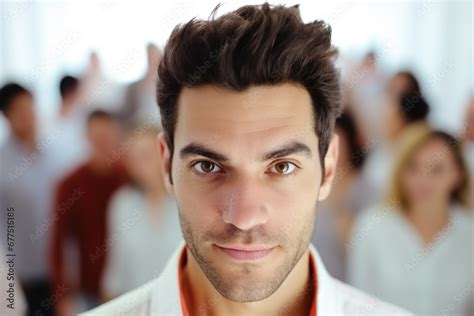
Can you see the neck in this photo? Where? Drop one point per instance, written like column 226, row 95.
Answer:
column 99, row 164
column 429, row 218
column 432, row 209
column 28, row 141
column 65, row 109
column 151, row 75
column 294, row 296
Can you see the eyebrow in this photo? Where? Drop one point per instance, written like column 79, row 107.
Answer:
column 291, row 148
column 196, row 149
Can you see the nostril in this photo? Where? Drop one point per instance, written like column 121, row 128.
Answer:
column 245, row 218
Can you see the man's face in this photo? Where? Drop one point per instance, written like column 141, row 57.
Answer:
column 21, row 115
column 104, row 137
column 246, row 176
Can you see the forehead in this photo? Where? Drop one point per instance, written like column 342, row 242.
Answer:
column 251, row 118
column 102, row 123
column 22, row 99
column 433, row 150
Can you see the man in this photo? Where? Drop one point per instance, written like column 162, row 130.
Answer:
column 69, row 124
column 80, row 214
column 69, row 90
column 27, row 180
column 140, row 104
column 248, row 103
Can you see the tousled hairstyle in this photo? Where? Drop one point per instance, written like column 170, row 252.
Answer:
column 255, row 45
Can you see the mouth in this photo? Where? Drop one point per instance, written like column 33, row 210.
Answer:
column 244, row 253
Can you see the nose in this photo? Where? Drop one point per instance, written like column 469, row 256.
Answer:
column 244, row 204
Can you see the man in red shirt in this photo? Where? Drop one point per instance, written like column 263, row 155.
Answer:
column 248, row 104
column 80, row 213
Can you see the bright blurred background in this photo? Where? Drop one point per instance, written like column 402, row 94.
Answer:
column 41, row 40
column 402, row 63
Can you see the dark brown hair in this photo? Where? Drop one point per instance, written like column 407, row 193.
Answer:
column 10, row 92
column 252, row 46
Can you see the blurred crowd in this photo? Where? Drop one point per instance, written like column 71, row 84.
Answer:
column 92, row 219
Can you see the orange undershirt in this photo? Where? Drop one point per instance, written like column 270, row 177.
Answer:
column 182, row 264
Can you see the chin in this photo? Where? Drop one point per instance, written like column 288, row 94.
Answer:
column 244, row 292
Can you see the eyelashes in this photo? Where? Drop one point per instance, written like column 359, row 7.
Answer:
column 206, row 168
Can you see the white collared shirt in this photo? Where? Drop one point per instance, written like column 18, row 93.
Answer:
column 161, row 296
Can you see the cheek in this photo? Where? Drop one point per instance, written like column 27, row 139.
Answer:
column 445, row 182
column 196, row 205
column 295, row 219
column 298, row 205
column 412, row 184
column 410, row 179
column 17, row 120
column 428, row 183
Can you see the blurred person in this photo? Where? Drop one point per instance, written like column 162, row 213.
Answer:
column 140, row 97
column 69, row 90
column 248, row 149
column 98, row 89
column 143, row 219
column 399, row 112
column 363, row 87
column 348, row 196
column 69, row 125
column 416, row 249
column 80, row 214
column 403, row 82
column 28, row 178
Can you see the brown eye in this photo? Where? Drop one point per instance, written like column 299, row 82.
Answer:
column 283, row 168
column 206, row 167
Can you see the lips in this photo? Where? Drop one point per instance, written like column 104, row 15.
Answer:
column 245, row 253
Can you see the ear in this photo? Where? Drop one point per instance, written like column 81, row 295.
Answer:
column 330, row 162
column 165, row 163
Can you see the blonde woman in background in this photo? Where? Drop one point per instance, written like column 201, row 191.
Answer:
column 416, row 249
